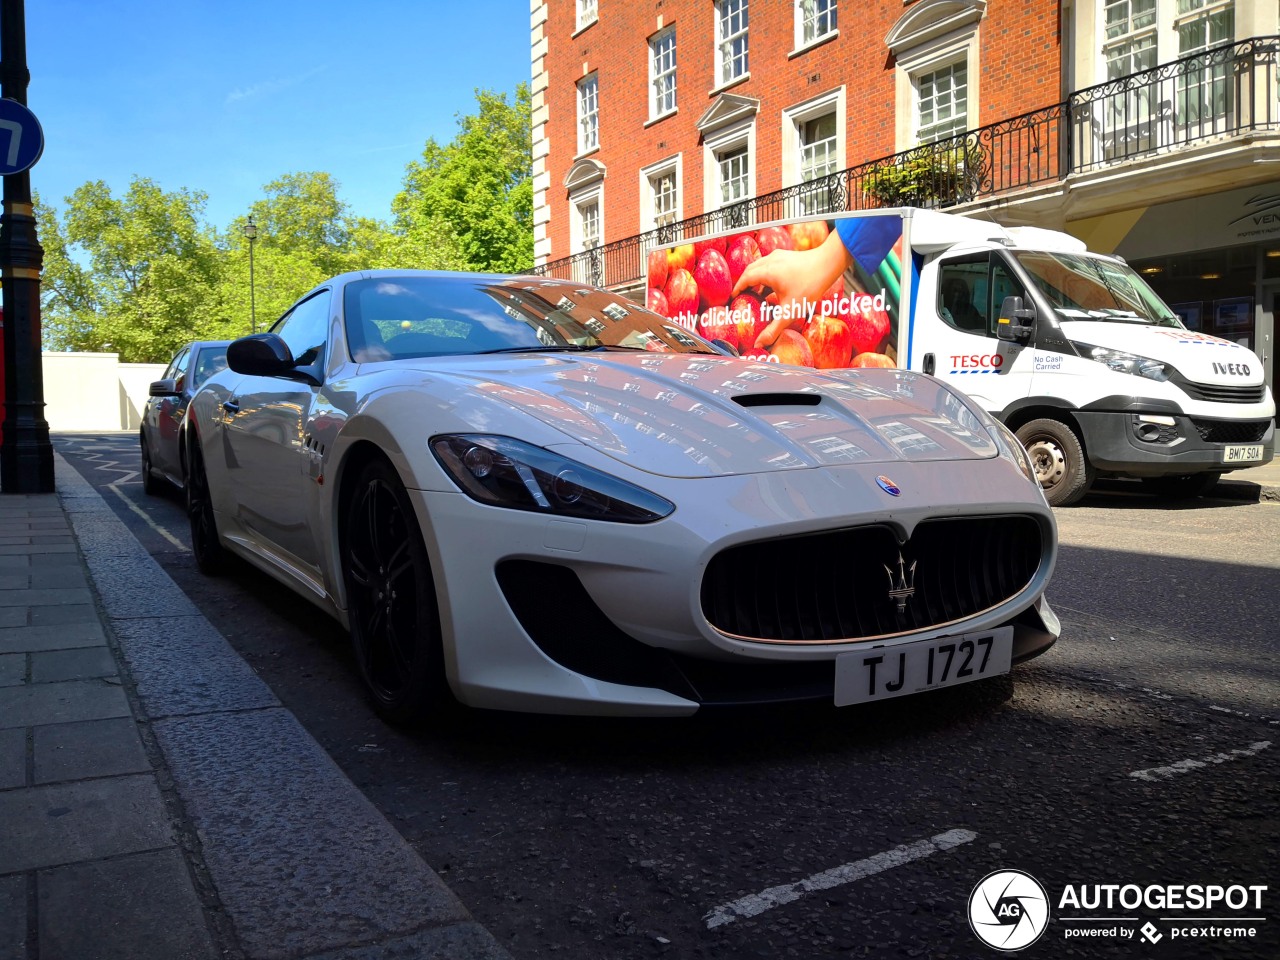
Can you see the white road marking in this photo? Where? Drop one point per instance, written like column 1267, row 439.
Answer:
column 758, row 903
column 1186, row 766
column 151, row 523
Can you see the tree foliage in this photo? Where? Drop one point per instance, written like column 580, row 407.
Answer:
column 143, row 273
column 481, row 184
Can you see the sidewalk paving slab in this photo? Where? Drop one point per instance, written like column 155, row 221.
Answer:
column 158, row 802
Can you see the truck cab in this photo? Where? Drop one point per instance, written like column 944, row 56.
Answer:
column 1092, row 371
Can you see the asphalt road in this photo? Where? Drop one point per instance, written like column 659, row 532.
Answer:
column 1143, row 749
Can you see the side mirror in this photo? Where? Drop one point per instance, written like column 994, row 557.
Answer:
column 726, row 347
column 167, row 387
column 1017, row 320
column 260, row 355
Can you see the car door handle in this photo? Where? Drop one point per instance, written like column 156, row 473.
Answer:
column 928, row 363
column 231, row 406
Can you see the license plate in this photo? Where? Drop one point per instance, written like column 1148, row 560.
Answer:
column 1242, row 453
column 884, row 672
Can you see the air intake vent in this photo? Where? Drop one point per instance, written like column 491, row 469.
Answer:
column 1223, row 393
column 777, row 399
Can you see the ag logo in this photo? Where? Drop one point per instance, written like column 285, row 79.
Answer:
column 1008, row 910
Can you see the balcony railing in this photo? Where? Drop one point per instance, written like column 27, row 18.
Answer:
column 1223, row 92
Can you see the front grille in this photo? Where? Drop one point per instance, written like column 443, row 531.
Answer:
column 1231, row 431
column 1223, row 393
column 836, row 585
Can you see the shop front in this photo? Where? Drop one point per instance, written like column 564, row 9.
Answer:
column 1215, row 259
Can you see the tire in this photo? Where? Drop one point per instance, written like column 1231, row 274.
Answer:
column 1181, row 487
column 211, row 556
column 1057, row 456
column 149, row 485
column 391, row 600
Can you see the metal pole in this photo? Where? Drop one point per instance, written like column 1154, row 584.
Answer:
column 253, row 307
column 26, row 455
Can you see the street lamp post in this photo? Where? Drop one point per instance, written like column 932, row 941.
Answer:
column 26, row 453
column 251, row 234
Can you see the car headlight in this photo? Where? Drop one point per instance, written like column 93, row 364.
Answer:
column 505, row 472
column 1122, row 362
column 1011, row 448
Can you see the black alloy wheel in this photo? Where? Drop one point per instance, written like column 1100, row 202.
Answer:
column 208, row 550
column 391, row 600
column 149, row 485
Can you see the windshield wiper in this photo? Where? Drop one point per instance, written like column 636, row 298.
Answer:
column 544, row 348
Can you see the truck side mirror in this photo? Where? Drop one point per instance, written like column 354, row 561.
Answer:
column 1017, row 319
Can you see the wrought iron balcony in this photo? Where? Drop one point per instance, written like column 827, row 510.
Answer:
column 1224, row 92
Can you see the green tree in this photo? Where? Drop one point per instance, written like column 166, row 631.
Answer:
column 134, row 272
column 478, row 188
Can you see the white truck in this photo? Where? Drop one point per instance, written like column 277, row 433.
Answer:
column 1071, row 349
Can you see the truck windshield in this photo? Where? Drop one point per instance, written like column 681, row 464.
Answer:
column 1081, row 287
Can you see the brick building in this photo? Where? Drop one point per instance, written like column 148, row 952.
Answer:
column 1145, row 127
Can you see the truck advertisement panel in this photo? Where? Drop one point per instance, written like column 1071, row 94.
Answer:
column 817, row 293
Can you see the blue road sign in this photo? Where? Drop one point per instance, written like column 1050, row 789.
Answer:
column 21, row 139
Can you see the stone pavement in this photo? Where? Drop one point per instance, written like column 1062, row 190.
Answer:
column 156, row 801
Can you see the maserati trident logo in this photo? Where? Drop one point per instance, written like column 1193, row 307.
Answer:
column 888, row 486
column 902, row 585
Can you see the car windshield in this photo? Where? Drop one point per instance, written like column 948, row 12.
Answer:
column 402, row 317
column 1081, row 287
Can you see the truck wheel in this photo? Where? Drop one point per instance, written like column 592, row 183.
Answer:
column 1182, row 487
column 1058, row 459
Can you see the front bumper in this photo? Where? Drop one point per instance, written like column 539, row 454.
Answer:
column 1117, row 444
column 545, row 614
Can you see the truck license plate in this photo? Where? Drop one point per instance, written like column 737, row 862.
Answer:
column 1242, row 453
column 883, row 672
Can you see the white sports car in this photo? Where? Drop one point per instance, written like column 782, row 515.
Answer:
column 534, row 495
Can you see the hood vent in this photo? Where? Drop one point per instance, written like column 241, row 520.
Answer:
column 777, row 399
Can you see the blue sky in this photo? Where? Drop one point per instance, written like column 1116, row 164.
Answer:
column 224, row 97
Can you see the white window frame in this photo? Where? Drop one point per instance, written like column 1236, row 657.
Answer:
column 587, row 14
column 722, row 141
column 649, row 176
column 909, row 77
column 793, row 121
column 932, row 34
column 588, row 95
column 578, row 205
column 579, row 201
column 814, row 10
column 660, row 70
column 726, row 36
column 933, row 133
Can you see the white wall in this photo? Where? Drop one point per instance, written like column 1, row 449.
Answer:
column 94, row 391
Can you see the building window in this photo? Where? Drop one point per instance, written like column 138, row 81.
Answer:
column 660, row 209
column 588, row 114
column 589, row 224
column 586, row 13
column 586, row 227
column 1204, row 90
column 1130, row 29
column 731, row 37
column 818, row 159
column 735, row 175
column 662, row 73
column 813, row 151
column 942, row 102
column 815, row 20
column 665, row 194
